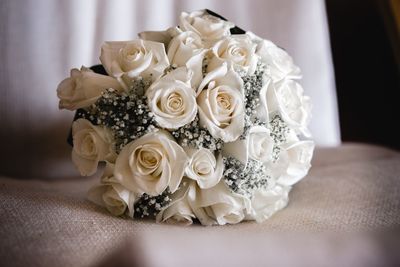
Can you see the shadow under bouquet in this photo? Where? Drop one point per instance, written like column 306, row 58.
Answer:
column 203, row 121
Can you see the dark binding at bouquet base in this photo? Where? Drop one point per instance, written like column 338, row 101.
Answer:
column 201, row 122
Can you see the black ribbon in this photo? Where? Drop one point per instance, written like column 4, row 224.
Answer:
column 234, row 30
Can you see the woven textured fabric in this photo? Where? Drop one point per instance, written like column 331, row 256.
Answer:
column 350, row 189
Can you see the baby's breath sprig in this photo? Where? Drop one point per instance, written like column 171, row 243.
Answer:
column 279, row 131
column 245, row 180
column 126, row 114
column 194, row 136
column 252, row 86
column 149, row 206
column 139, row 85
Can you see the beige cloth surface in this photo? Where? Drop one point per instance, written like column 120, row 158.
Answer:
column 350, row 190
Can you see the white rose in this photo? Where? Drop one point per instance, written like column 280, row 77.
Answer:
column 265, row 202
column 127, row 60
column 83, row 88
column 205, row 25
column 258, row 145
column 287, row 97
column 221, row 104
column 178, row 211
column 280, row 64
column 91, row 144
column 184, row 46
column 216, row 204
column 160, row 36
column 172, row 100
column 112, row 195
column 238, row 51
column 150, row 164
column 294, row 162
column 186, row 49
column 108, row 174
column 204, row 167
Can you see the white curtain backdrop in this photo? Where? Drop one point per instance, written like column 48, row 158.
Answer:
column 42, row 39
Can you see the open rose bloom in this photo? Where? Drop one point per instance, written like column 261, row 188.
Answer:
column 192, row 124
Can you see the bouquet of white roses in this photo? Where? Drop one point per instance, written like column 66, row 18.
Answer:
column 201, row 121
